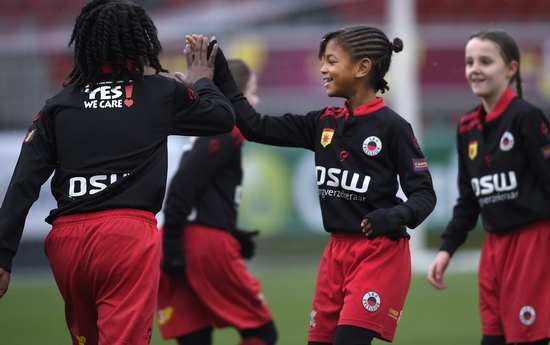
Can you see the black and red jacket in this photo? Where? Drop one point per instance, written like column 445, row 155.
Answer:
column 358, row 156
column 206, row 188
column 503, row 169
column 107, row 148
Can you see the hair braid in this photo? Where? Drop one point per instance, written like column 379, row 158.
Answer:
column 116, row 32
column 362, row 41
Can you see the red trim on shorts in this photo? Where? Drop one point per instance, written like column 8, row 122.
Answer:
column 346, row 236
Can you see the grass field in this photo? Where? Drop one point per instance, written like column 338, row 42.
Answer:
column 32, row 312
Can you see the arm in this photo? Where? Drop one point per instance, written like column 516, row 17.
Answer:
column 37, row 160
column 200, row 107
column 466, row 210
column 535, row 130
column 285, row 130
column 416, row 183
column 415, row 179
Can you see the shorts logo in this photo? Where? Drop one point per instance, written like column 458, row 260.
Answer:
column 527, row 315
column 371, row 301
column 79, row 338
column 507, row 141
column 164, row 315
column 372, row 146
column 312, row 322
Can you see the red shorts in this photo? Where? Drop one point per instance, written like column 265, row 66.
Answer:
column 106, row 265
column 361, row 283
column 217, row 289
column 514, row 284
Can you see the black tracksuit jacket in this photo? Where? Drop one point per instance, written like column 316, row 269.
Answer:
column 107, row 148
column 206, row 188
column 504, row 170
column 358, row 159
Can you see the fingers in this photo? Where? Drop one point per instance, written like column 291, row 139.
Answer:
column 366, row 227
column 437, row 270
column 180, row 76
column 201, row 48
column 191, row 39
column 435, row 277
column 4, row 281
column 212, row 58
column 188, row 51
column 198, row 45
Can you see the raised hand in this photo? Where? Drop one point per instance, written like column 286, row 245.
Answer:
column 199, row 64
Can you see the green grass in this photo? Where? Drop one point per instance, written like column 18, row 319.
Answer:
column 32, row 314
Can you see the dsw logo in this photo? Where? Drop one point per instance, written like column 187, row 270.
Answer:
column 79, row 186
column 334, row 177
column 502, row 182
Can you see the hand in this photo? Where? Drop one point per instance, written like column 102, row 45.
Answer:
column 366, row 225
column 173, row 262
column 222, row 73
column 437, row 269
column 383, row 222
column 200, row 63
column 4, row 281
column 245, row 238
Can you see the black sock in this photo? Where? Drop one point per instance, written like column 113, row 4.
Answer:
column 200, row 337
column 352, row 335
column 538, row 342
column 493, row 340
column 266, row 332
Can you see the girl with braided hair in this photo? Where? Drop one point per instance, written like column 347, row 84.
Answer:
column 361, row 149
column 503, row 149
column 104, row 138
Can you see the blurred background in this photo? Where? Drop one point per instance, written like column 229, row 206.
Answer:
column 279, row 40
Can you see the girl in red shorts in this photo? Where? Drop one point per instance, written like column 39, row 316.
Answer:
column 104, row 138
column 361, row 150
column 504, row 175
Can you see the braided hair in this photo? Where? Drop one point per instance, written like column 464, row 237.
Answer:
column 114, row 32
column 362, row 41
column 508, row 50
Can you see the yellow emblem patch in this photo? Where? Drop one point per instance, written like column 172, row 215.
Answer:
column 472, row 150
column 326, row 137
column 164, row 315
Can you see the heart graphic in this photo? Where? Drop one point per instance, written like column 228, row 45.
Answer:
column 128, row 102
